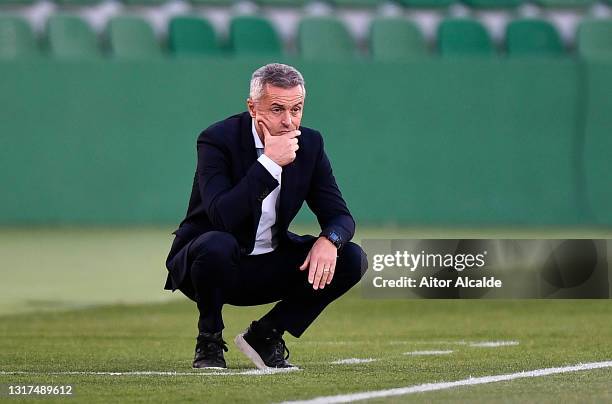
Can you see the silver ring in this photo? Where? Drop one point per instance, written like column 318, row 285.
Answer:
column 325, row 269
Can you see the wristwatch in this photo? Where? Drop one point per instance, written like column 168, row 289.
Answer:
column 333, row 237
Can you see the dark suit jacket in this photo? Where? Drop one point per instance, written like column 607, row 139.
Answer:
column 230, row 184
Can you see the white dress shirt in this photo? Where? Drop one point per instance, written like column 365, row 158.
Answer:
column 266, row 237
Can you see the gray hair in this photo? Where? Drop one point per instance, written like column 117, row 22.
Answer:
column 275, row 74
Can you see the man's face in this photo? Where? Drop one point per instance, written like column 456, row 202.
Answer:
column 280, row 109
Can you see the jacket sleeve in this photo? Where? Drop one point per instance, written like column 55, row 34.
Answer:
column 227, row 205
column 325, row 200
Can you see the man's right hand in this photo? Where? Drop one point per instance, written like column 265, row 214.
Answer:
column 280, row 149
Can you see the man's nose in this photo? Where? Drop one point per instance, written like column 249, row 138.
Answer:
column 287, row 119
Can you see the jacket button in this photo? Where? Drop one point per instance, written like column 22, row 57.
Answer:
column 243, row 250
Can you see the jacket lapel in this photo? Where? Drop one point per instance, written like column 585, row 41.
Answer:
column 289, row 181
column 249, row 156
column 247, row 144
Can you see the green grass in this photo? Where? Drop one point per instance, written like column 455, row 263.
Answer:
column 89, row 330
column 161, row 337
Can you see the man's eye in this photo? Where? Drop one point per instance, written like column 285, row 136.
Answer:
column 276, row 110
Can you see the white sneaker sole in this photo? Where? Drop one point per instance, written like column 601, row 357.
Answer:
column 210, row 367
column 250, row 353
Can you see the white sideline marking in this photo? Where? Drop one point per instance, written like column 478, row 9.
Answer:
column 335, row 342
column 352, row 361
column 493, row 344
column 428, row 353
column 400, row 391
column 426, row 342
column 254, row 372
column 407, row 342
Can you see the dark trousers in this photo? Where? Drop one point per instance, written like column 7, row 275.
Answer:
column 218, row 274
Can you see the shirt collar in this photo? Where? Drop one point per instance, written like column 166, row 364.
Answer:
column 258, row 143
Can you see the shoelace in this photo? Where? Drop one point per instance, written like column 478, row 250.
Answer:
column 275, row 339
column 280, row 348
column 212, row 342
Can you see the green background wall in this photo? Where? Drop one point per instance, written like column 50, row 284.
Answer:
column 425, row 142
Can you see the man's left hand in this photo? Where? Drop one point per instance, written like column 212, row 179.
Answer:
column 321, row 261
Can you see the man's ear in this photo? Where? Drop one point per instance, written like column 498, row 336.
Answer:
column 251, row 107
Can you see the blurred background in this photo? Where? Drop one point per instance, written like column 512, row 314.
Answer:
column 482, row 118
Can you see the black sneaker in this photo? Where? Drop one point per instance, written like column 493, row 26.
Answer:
column 264, row 347
column 209, row 351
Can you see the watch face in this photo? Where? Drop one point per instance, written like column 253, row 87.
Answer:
column 334, row 238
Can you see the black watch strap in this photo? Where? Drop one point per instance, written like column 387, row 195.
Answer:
column 332, row 236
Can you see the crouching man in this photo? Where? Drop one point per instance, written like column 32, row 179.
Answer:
column 254, row 171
